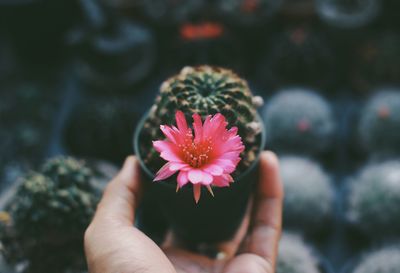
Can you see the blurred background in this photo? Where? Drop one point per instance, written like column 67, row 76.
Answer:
column 77, row 75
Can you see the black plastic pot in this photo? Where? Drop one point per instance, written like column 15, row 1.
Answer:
column 213, row 219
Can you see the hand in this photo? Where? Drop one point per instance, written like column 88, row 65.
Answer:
column 114, row 245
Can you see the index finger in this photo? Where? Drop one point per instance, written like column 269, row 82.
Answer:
column 120, row 197
column 266, row 223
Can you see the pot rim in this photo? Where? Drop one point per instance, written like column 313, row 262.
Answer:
column 136, row 147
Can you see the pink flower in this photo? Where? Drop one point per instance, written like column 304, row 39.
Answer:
column 206, row 158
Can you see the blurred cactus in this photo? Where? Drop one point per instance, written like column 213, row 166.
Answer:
column 374, row 199
column 49, row 213
column 299, row 120
column 295, row 256
column 384, row 260
column 309, row 196
column 298, row 56
column 348, row 14
column 379, row 126
column 248, row 11
column 205, row 90
column 171, row 11
column 205, row 42
column 376, row 62
column 102, row 128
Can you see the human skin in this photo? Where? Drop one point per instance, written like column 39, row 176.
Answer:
column 114, row 245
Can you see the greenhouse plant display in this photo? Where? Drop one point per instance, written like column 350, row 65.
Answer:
column 298, row 120
column 309, row 195
column 48, row 212
column 379, row 127
column 218, row 153
column 374, row 200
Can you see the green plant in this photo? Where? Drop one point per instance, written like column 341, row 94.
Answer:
column 385, row 260
column 299, row 120
column 295, row 256
column 379, row 127
column 374, row 199
column 204, row 90
column 309, row 196
column 49, row 213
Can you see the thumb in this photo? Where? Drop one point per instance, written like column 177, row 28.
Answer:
column 120, row 197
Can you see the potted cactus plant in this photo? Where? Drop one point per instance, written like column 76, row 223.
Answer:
column 218, row 154
column 44, row 216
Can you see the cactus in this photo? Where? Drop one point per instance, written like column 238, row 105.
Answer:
column 374, row 199
column 204, row 90
column 376, row 62
column 384, row 260
column 116, row 55
column 101, row 129
column 171, row 11
column 348, row 14
column 379, row 126
column 295, row 256
column 308, row 202
column 299, row 120
column 248, row 11
column 298, row 56
column 49, row 213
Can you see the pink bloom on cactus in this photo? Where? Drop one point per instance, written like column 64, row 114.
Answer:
column 205, row 158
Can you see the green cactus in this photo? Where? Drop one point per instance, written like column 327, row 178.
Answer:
column 295, row 256
column 49, row 214
column 374, row 199
column 204, row 90
column 299, row 120
column 308, row 202
column 379, row 126
column 384, row 260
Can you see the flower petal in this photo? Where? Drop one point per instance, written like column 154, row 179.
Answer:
column 164, row 172
column 197, row 192
column 220, row 181
column 182, row 178
column 168, row 132
column 170, row 156
column 213, row 169
column 176, row 166
column 198, row 127
column 195, row 176
column 181, row 122
column 227, row 165
column 207, row 179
